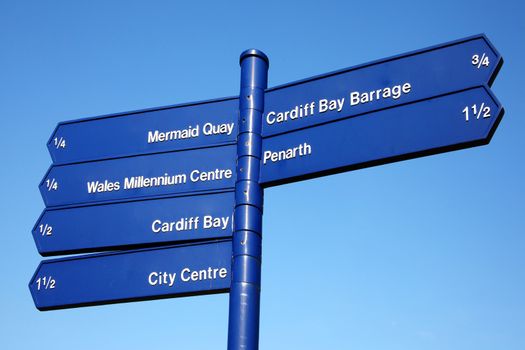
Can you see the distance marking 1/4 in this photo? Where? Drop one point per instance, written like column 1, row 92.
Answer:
column 51, row 184
column 59, row 142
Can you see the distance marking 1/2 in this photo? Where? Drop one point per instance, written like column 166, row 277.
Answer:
column 125, row 225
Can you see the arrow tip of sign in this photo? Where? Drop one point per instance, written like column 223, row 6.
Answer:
column 31, row 284
column 496, row 70
column 492, row 130
column 49, row 143
column 499, row 63
column 489, row 43
column 36, row 234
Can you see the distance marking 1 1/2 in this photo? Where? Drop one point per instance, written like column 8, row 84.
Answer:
column 385, row 83
column 408, row 131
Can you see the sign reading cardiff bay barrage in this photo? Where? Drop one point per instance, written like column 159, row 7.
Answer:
column 157, row 187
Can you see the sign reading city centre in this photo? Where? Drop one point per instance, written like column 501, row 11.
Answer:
column 132, row 275
column 158, row 186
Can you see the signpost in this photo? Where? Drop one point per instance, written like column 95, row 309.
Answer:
column 132, row 275
column 445, row 123
column 178, row 191
column 193, row 125
column 411, row 77
column 159, row 174
column 136, row 223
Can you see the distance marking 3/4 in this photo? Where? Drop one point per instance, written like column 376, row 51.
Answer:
column 482, row 61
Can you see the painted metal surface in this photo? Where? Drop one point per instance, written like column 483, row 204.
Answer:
column 110, row 182
column 411, row 130
column 430, row 72
column 131, row 276
column 187, row 126
column 136, row 223
column 140, row 177
column 243, row 320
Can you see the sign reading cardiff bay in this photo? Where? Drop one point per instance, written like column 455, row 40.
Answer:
column 170, row 198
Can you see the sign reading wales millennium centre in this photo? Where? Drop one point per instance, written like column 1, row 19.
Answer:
column 176, row 192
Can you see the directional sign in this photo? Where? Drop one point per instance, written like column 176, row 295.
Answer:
column 381, row 84
column 129, row 276
column 132, row 224
column 444, row 123
column 141, row 176
column 162, row 129
column 166, row 177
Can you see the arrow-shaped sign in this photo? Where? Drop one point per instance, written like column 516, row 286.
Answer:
column 140, row 177
column 134, row 224
column 385, row 83
column 450, row 122
column 408, row 77
column 195, row 125
column 130, row 276
column 166, row 175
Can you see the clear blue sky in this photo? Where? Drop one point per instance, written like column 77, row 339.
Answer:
column 422, row 254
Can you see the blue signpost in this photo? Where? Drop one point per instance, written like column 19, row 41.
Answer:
column 178, row 191
column 135, row 223
column 134, row 275
column 448, row 122
column 193, row 125
column 411, row 77
column 243, row 325
column 154, row 175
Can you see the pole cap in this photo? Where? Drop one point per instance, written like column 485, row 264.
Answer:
column 256, row 53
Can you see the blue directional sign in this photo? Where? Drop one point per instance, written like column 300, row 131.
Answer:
column 410, row 77
column 154, row 130
column 135, row 275
column 136, row 223
column 184, row 184
column 449, row 122
column 141, row 176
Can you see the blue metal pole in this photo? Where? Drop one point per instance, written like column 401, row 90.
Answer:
column 245, row 291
